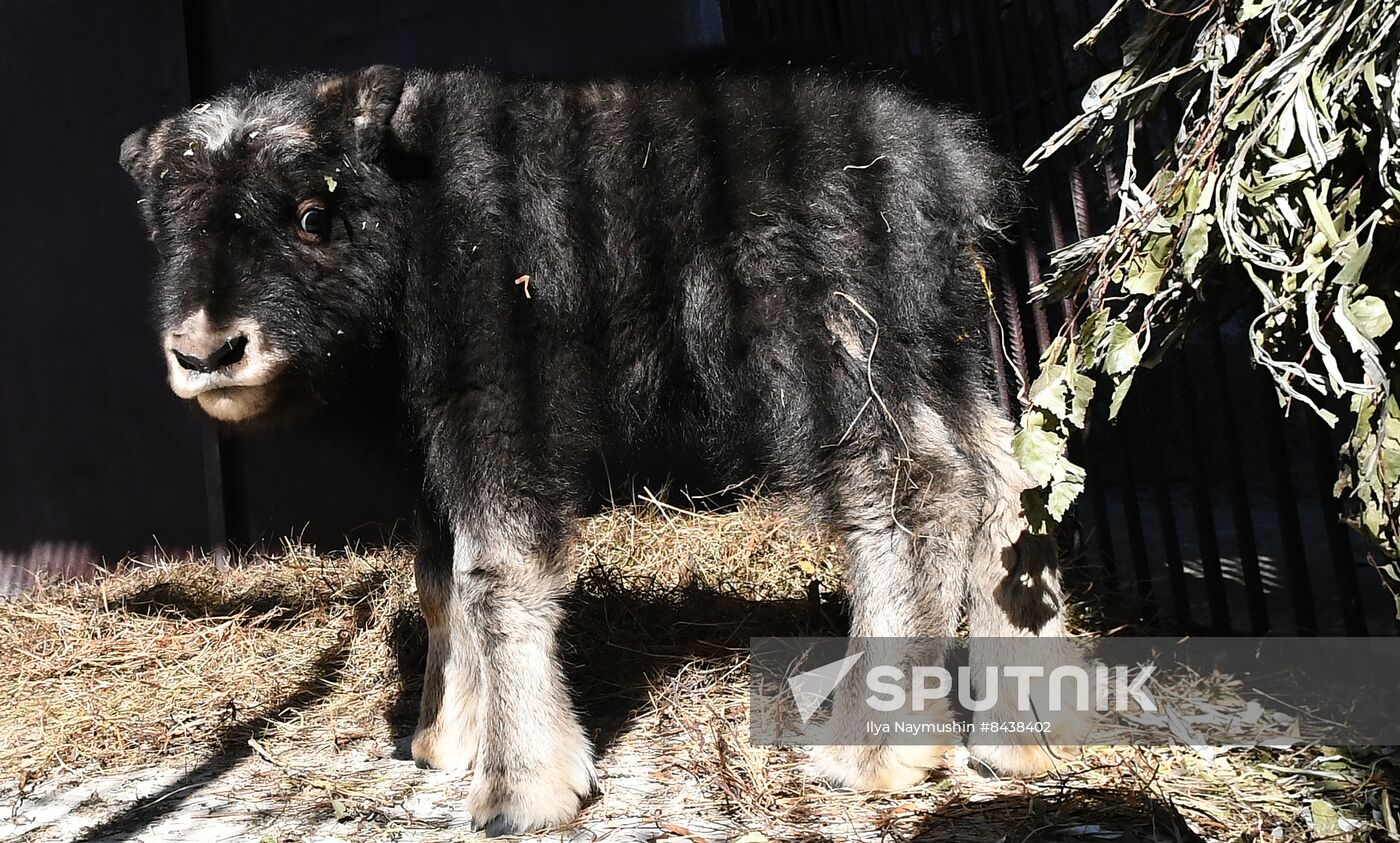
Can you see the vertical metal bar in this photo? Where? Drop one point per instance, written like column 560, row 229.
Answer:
column 1005, row 345
column 1112, row 181
column 992, row 39
column 1079, row 204
column 197, row 71
column 1011, row 312
column 726, row 16
column 1166, row 512
column 1103, row 532
column 1023, row 61
column 1217, row 382
column 1136, row 543
column 859, row 41
column 242, row 532
column 1032, row 256
column 1132, row 514
column 997, row 350
column 1324, row 463
column 939, row 25
column 876, row 31
column 1078, row 196
column 967, row 58
column 1201, row 508
column 1285, row 505
column 826, row 25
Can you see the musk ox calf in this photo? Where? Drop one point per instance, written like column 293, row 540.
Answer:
column 508, row 281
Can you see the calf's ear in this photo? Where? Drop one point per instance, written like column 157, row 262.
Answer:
column 136, row 153
column 370, row 100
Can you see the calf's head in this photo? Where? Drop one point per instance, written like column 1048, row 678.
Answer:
column 278, row 230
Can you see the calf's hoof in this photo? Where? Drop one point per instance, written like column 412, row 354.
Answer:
column 1022, row 761
column 519, row 799
column 878, row 767
column 438, row 749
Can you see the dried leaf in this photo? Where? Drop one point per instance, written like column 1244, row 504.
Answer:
column 1123, row 354
column 1037, row 449
column 1370, row 316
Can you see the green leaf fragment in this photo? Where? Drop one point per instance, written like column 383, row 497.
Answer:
column 1370, row 316
column 1065, row 487
column 1123, row 354
column 1037, row 449
column 1048, row 391
column 1144, row 281
column 1197, row 241
column 1120, row 391
column 1033, row 504
column 1326, row 821
column 1090, row 335
column 1081, row 391
column 1350, row 272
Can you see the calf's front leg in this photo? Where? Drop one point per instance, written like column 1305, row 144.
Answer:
column 494, row 696
column 449, row 712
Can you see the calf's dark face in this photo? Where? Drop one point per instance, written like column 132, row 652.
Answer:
column 276, row 232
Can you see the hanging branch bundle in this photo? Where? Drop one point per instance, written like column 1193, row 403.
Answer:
column 1282, row 183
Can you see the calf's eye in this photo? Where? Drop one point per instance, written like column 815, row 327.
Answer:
column 313, row 221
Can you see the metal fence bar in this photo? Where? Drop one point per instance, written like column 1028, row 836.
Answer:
column 1324, row 464
column 1132, row 511
column 214, row 497
column 1020, row 69
column 1147, row 415
column 1219, row 398
column 1014, row 334
column 1053, row 59
column 1202, row 510
column 986, row 44
column 990, row 38
column 1285, row 506
column 1009, row 354
column 1137, row 546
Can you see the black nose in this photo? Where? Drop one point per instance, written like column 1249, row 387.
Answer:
column 225, row 355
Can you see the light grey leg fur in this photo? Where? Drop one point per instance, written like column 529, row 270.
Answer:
column 906, row 572
column 1015, row 593
column 501, row 676
column 448, row 715
column 930, row 528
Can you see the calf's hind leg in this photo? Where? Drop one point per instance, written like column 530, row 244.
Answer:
column 1015, row 610
column 907, row 528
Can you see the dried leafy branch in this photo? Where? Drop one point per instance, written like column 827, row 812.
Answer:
column 1282, row 182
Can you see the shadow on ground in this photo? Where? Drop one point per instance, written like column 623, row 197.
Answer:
column 619, row 641
column 1074, row 815
column 231, row 744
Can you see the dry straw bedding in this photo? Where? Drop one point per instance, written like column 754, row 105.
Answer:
column 291, row 662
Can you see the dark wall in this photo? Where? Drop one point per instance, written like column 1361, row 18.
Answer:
column 97, row 458
column 94, row 456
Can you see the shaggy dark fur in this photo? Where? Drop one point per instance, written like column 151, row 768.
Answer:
column 760, row 275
